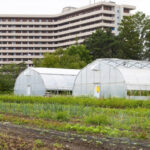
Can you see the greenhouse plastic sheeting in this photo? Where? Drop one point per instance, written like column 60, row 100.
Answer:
column 136, row 79
column 113, row 77
column 36, row 81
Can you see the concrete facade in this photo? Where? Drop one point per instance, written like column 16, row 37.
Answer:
column 25, row 37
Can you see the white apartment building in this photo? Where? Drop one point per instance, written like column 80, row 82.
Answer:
column 25, row 37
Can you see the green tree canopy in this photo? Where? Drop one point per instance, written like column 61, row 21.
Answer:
column 79, row 50
column 103, row 44
column 75, row 57
column 133, row 41
column 8, row 75
column 134, row 36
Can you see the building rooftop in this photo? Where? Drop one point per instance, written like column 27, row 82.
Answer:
column 69, row 9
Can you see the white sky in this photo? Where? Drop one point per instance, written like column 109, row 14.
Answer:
column 55, row 6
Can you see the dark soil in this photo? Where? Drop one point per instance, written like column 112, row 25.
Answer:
column 13, row 137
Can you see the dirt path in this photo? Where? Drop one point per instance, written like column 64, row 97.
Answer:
column 54, row 140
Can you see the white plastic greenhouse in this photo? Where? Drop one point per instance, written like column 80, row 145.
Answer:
column 105, row 78
column 39, row 81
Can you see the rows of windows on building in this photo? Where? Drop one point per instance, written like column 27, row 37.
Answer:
column 50, row 36
column 36, row 42
column 58, row 18
column 21, row 54
column 60, row 24
column 25, row 48
column 15, row 59
column 50, row 30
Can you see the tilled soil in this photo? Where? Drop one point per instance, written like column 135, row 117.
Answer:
column 16, row 143
column 17, row 137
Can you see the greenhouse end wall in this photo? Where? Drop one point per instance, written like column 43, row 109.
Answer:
column 99, row 80
column 29, row 83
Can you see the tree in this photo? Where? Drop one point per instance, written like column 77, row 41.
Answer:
column 71, row 62
column 80, row 50
column 50, row 60
column 134, row 36
column 103, row 44
column 37, row 62
column 75, row 57
column 8, row 75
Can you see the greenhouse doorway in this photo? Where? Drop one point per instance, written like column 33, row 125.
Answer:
column 29, row 90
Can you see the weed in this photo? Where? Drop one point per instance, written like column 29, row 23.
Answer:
column 38, row 143
column 62, row 116
column 57, row 145
column 97, row 119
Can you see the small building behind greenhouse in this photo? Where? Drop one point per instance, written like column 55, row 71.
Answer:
column 106, row 78
column 45, row 81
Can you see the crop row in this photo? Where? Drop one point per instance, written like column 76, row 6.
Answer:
column 121, row 118
column 131, row 120
column 84, row 101
column 65, row 126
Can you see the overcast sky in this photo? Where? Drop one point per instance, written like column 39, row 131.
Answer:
column 55, row 6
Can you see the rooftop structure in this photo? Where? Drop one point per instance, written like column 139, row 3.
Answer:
column 25, row 37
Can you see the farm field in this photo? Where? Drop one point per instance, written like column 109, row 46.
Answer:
column 73, row 123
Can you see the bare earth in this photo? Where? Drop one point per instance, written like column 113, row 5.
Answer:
column 15, row 137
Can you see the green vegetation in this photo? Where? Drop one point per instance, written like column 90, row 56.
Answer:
column 73, row 57
column 97, row 119
column 113, row 117
column 8, row 75
column 138, row 93
column 135, row 37
column 110, row 117
column 57, row 145
column 82, row 101
column 38, row 143
column 104, row 44
column 8, row 142
column 132, row 42
column 62, row 116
